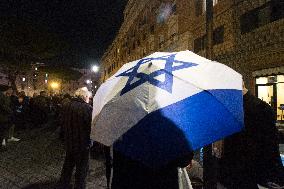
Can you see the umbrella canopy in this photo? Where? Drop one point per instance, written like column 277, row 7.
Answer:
column 167, row 104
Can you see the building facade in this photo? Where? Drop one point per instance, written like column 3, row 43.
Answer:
column 36, row 80
column 247, row 36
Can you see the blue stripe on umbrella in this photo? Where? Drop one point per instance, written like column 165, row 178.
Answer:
column 185, row 126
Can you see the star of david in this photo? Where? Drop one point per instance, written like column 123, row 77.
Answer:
column 166, row 85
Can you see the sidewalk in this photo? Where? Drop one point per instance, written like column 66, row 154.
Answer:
column 36, row 161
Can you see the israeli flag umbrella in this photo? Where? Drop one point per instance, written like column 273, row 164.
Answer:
column 165, row 105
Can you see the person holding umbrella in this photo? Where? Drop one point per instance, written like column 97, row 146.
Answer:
column 128, row 173
column 154, row 112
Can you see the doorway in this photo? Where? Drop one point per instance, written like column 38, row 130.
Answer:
column 271, row 90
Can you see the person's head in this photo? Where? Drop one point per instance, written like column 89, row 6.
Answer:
column 35, row 95
column 83, row 93
column 43, row 93
column 245, row 90
column 23, row 93
column 21, row 98
column 66, row 96
column 8, row 92
column 14, row 93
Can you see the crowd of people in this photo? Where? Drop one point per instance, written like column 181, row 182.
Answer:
column 19, row 111
column 249, row 158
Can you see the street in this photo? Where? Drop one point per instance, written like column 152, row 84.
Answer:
column 36, row 161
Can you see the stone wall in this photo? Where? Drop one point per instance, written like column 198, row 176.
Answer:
column 258, row 49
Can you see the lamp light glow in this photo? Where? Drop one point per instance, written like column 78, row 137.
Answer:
column 95, row 68
column 54, row 85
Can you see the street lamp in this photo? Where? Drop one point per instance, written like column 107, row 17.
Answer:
column 24, row 79
column 54, row 85
column 95, row 68
column 88, row 81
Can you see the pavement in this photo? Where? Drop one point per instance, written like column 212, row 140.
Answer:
column 35, row 162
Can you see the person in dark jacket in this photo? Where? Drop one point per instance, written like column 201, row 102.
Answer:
column 19, row 116
column 252, row 156
column 129, row 174
column 77, row 128
column 64, row 107
column 40, row 109
column 5, row 114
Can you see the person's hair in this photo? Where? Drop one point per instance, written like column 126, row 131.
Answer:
column 66, row 96
column 83, row 92
column 21, row 96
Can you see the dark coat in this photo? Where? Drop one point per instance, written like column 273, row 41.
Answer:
column 5, row 109
column 39, row 110
column 64, row 107
column 77, row 125
column 252, row 156
column 130, row 174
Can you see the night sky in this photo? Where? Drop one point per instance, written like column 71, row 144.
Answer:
column 87, row 26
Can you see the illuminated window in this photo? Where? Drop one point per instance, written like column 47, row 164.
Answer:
column 261, row 80
column 270, row 89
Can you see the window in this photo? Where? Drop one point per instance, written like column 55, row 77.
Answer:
column 269, row 12
column 218, row 35
column 271, row 89
column 144, row 51
column 249, row 21
column 277, row 12
column 152, row 28
column 109, row 70
column 143, row 22
column 133, row 33
column 264, row 16
column 124, row 45
column 161, row 41
column 144, row 36
column 198, row 7
column 174, row 8
column 200, row 43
